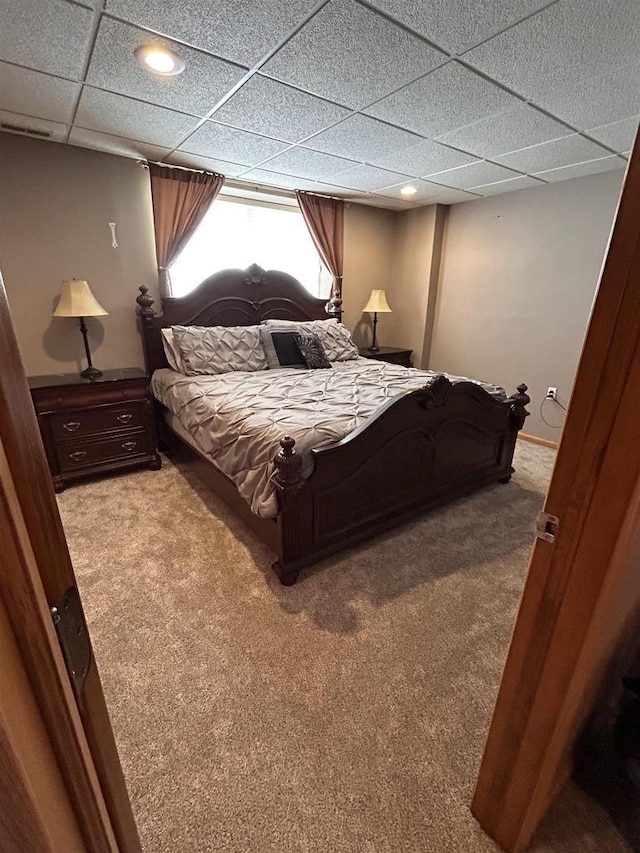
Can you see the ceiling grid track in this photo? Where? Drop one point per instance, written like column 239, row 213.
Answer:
column 366, row 159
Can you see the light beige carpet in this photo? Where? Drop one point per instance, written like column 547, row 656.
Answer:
column 346, row 714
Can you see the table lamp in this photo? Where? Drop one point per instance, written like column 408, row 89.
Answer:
column 377, row 304
column 77, row 300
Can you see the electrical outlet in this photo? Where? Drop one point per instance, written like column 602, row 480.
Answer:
column 552, row 392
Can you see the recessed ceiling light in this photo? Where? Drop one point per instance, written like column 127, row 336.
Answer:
column 408, row 190
column 159, row 59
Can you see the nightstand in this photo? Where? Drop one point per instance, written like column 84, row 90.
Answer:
column 99, row 426
column 393, row 355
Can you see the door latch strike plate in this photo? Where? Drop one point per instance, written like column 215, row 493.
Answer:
column 73, row 636
column 547, row 526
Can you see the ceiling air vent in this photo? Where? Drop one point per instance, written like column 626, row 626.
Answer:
column 28, row 131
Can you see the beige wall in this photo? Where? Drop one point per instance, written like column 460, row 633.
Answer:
column 55, row 205
column 369, row 245
column 410, row 286
column 519, row 273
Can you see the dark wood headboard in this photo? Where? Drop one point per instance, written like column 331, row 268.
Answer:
column 230, row 298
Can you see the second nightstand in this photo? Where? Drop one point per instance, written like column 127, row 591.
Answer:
column 393, row 355
column 97, row 426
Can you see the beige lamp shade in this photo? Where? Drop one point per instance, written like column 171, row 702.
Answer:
column 77, row 300
column 377, row 303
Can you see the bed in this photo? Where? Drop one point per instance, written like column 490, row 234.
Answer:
column 435, row 440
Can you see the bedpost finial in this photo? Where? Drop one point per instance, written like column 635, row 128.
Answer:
column 288, row 474
column 334, row 307
column 518, row 402
column 146, row 303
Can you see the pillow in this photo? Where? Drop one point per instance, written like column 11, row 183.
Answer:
column 219, row 349
column 335, row 338
column 285, row 347
column 171, row 350
column 281, row 348
column 312, row 351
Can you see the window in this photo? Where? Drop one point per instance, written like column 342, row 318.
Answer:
column 235, row 234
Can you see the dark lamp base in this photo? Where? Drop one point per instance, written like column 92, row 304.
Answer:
column 374, row 349
column 91, row 373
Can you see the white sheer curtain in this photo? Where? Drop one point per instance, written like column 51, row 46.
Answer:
column 234, row 234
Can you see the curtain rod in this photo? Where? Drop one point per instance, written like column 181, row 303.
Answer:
column 234, row 183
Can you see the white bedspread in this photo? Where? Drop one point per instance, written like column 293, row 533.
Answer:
column 238, row 419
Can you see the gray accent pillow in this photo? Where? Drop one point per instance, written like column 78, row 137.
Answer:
column 312, row 351
column 219, row 349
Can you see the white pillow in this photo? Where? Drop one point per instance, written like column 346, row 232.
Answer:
column 335, row 338
column 219, row 349
column 171, row 349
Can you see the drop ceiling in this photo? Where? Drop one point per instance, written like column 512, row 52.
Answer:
column 459, row 98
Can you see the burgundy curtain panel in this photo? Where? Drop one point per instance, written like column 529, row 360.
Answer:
column 325, row 221
column 181, row 198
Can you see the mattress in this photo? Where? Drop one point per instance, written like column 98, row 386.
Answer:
column 237, row 419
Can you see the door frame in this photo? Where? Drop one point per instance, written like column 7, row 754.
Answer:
column 35, row 571
column 582, row 586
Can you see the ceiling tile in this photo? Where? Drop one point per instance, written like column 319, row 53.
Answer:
column 274, row 179
column 338, row 192
column 229, row 143
column 579, row 170
column 619, row 135
column 273, row 109
column 424, row 157
column 465, row 177
column 34, row 94
column 509, row 131
column 369, row 178
column 364, row 138
column 429, row 193
column 351, row 55
column 131, row 119
column 309, row 164
column 116, row 145
column 551, row 155
column 524, row 182
column 196, row 91
column 243, row 31
column 596, row 100
column 457, row 25
column 57, row 130
column 384, row 202
column 447, row 98
column 208, row 164
column 567, row 42
column 46, row 36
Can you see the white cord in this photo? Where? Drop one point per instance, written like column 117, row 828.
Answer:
column 558, row 403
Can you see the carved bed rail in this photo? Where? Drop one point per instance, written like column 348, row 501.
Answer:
column 421, row 449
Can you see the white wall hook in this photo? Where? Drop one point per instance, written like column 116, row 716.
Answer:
column 114, row 242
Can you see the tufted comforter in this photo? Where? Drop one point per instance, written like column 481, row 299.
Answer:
column 237, row 419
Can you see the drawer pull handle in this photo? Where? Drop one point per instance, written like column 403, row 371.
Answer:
column 78, row 455
column 129, row 445
column 123, row 419
column 71, row 426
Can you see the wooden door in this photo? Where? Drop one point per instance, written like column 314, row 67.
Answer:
column 582, row 587
column 35, row 571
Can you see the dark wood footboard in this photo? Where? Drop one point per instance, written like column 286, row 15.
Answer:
column 422, row 449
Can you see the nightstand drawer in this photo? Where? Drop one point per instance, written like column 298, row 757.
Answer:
column 82, row 454
column 68, row 425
